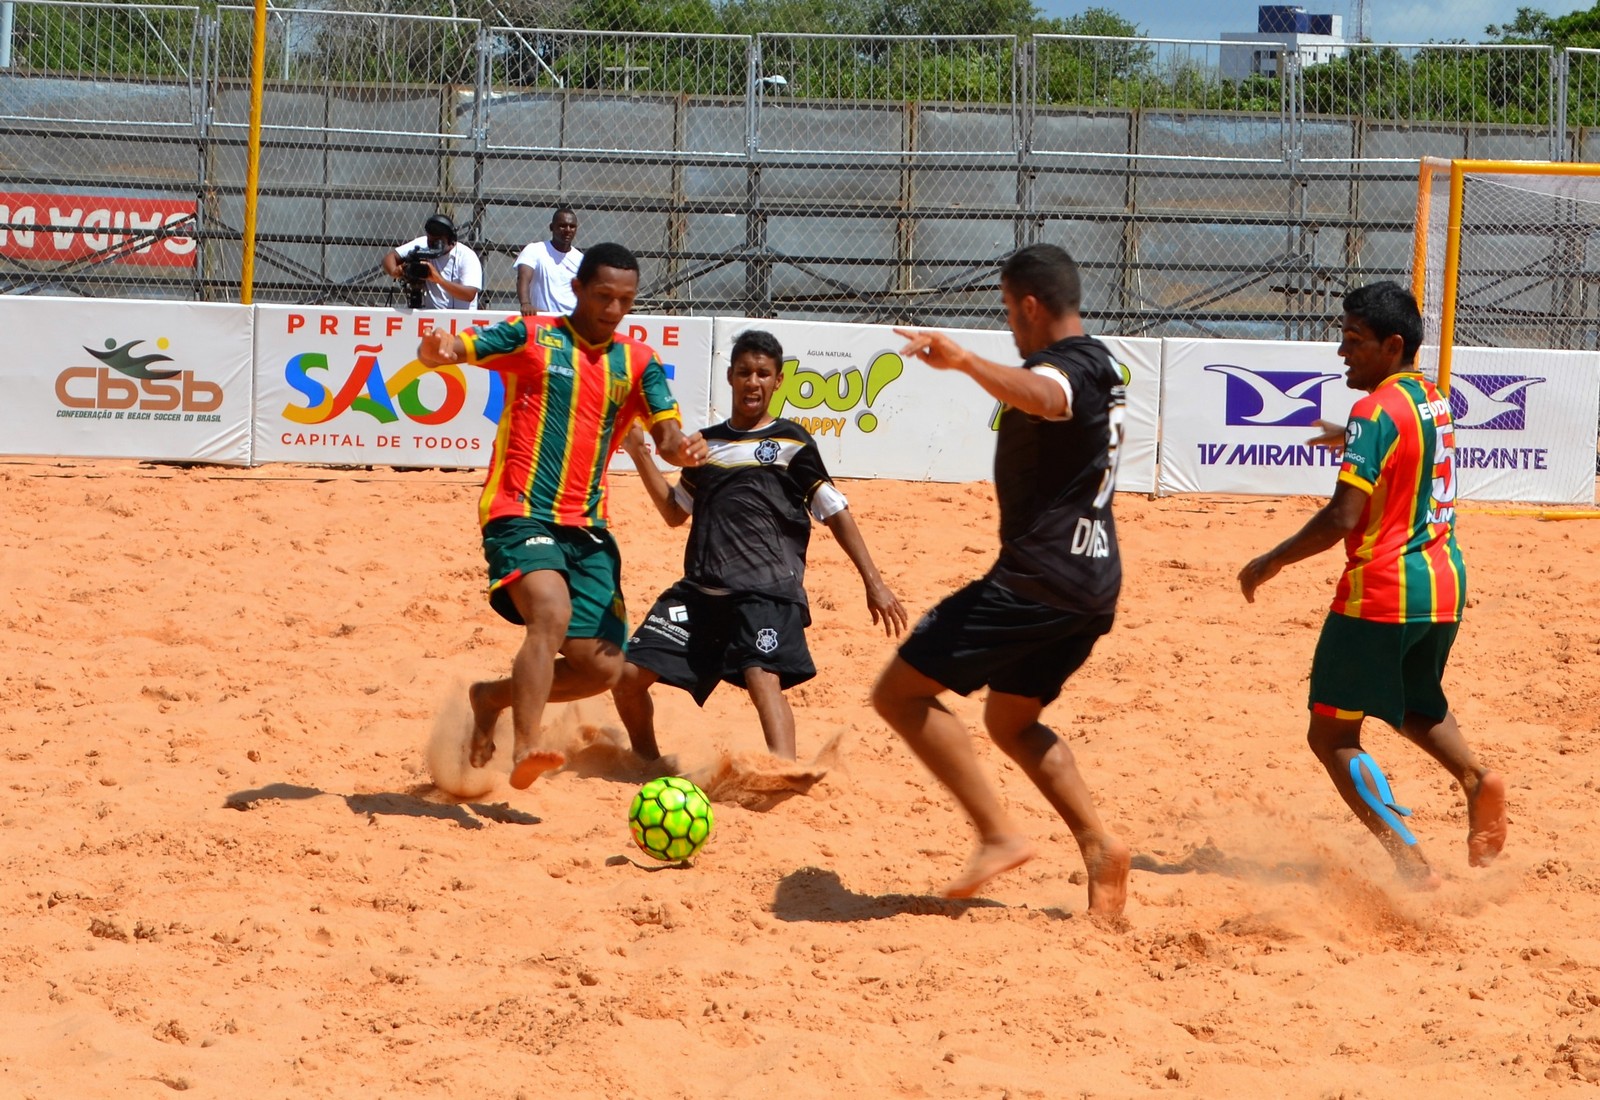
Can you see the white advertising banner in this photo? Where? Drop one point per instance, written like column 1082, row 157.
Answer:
column 1525, row 423
column 874, row 414
column 91, row 378
column 343, row 385
column 1236, row 415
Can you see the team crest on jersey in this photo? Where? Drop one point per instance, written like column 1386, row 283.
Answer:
column 617, row 389
column 547, row 338
column 766, row 639
column 767, row 451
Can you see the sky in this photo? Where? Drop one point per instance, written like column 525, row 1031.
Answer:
column 1401, row 21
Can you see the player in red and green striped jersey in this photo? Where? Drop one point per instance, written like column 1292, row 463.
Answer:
column 1398, row 605
column 572, row 390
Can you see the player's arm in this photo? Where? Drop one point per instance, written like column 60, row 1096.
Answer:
column 666, row 424
column 829, row 506
column 1333, row 521
column 1024, row 390
column 661, row 494
column 476, row 346
column 676, row 447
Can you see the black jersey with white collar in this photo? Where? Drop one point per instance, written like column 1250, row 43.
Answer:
column 1054, row 481
column 749, row 499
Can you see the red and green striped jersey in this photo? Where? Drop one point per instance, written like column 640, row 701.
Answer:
column 566, row 403
column 1402, row 564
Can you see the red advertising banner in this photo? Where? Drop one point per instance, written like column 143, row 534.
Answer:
column 77, row 227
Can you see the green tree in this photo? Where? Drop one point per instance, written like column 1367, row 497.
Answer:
column 1104, row 73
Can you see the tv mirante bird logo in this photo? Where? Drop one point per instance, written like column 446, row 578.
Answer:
column 124, row 360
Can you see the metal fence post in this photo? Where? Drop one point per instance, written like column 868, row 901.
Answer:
column 758, row 266
column 1560, row 147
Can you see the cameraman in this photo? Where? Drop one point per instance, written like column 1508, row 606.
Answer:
column 440, row 274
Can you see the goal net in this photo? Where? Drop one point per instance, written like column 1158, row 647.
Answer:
column 1506, row 269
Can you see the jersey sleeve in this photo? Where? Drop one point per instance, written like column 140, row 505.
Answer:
column 683, row 491
column 810, row 474
column 1369, row 435
column 484, row 344
column 657, row 395
column 1059, row 375
column 683, row 497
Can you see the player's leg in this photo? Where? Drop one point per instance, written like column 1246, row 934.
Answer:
column 1356, row 672
column 1047, row 760
column 772, row 708
column 597, row 628
column 1336, row 741
column 1422, row 669
column 765, row 651
column 908, row 701
column 631, row 696
column 542, row 599
column 527, row 577
column 1485, row 789
column 665, row 649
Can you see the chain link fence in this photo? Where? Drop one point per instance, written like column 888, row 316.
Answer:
column 1227, row 188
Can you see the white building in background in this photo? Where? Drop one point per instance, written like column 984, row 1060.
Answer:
column 1316, row 39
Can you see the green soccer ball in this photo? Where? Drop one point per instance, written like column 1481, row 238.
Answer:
column 670, row 818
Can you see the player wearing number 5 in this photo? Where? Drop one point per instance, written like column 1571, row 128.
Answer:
column 1398, row 605
column 1031, row 621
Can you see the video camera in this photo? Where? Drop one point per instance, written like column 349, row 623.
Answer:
column 414, row 272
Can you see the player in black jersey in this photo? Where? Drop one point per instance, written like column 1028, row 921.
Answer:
column 1031, row 621
column 739, row 614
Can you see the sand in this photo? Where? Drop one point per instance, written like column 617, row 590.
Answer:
column 227, row 870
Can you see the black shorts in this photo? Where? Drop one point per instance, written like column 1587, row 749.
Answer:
column 988, row 635
column 694, row 641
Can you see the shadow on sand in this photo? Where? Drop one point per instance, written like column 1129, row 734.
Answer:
column 812, row 894
column 412, row 803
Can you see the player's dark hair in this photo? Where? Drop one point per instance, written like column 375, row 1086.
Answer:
column 606, row 254
column 1046, row 272
column 1388, row 309
column 560, row 210
column 755, row 341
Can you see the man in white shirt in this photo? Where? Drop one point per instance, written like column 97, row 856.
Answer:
column 452, row 279
column 545, row 269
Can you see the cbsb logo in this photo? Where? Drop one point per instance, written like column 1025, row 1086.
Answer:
column 126, row 381
column 366, row 390
column 1496, row 402
column 1276, row 398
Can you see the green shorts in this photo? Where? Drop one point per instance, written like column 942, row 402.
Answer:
column 1387, row 670
column 586, row 556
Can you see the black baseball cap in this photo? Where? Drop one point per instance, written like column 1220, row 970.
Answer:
column 440, row 225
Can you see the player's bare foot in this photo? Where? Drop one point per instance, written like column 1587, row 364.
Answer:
column 1486, row 820
column 991, row 859
column 1108, row 877
column 534, row 765
column 484, row 716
